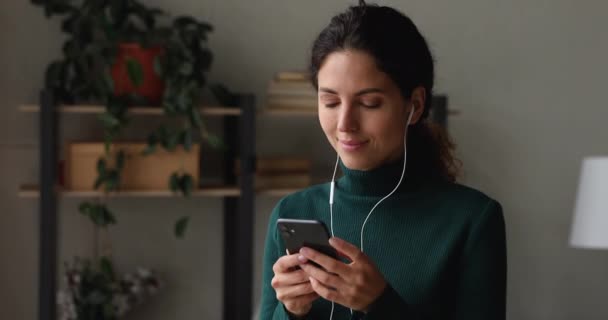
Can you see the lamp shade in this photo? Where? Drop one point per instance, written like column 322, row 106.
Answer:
column 590, row 224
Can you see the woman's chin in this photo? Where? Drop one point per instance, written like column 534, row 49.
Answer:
column 356, row 164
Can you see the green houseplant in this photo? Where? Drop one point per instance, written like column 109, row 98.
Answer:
column 108, row 55
column 102, row 63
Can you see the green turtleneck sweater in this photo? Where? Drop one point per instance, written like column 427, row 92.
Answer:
column 440, row 246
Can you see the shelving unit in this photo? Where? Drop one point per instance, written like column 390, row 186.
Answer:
column 239, row 131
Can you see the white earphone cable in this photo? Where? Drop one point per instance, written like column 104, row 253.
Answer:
column 332, row 187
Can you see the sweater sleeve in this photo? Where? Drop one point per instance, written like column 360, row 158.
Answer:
column 481, row 292
column 271, row 308
column 483, row 270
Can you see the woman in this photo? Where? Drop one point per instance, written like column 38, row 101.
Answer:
column 419, row 245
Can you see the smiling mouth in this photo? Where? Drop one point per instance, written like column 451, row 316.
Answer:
column 351, row 145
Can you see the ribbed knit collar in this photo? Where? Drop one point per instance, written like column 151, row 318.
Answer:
column 378, row 181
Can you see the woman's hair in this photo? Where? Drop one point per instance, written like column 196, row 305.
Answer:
column 401, row 52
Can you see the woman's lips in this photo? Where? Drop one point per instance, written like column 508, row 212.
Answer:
column 352, row 145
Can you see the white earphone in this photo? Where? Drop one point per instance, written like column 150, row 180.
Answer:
column 333, row 183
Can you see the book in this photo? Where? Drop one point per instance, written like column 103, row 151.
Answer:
column 279, row 165
column 292, row 76
column 300, row 89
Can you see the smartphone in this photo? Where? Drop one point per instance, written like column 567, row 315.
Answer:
column 298, row 233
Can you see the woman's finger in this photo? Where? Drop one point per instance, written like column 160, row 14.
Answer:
column 327, row 279
column 294, row 291
column 324, row 291
column 288, row 279
column 285, row 263
column 328, row 263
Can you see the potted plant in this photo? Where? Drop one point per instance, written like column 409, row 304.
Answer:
column 118, row 55
column 94, row 291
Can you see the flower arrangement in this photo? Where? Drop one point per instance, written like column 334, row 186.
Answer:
column 95, row 292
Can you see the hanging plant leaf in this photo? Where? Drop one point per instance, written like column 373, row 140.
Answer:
column 186, row 139
column 112, row 180
column 215, row 141
column 180, row 227
column 151, row 146
column 108, row 120
column 186, row 68
column 195, row 118
column 107, row 216
column 109, row 82
column 105, row 265
column 174, row 183
column 120, row 160
column 85, row 208
column 135, row 71
column 184, row 21
column 186, row 184
column 158, row 66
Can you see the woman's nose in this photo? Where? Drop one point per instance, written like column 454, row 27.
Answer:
column 348, row 120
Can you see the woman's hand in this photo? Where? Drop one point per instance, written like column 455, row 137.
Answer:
column 292, row 285
column 355, row 285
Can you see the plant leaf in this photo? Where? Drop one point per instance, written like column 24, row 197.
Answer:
column 85, row 208
column 215, row 141
column 106, row 268
column 184, row 21
column 107, row 216
column 195, row 117
column 112, row 180
column 180, row 227
column 187, row 139
column 135, row 71
column 187, row 184
column 120, row 160
column 158, row 66
column 151, row 146
column 174, row 182
column 108, row 120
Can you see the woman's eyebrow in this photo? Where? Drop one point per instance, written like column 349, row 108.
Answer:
column 359, row 93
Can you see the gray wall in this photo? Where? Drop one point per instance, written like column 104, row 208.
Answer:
column 528, row 77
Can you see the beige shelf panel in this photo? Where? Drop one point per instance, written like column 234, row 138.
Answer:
column 97, row 109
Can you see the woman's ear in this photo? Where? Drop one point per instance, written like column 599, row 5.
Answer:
column 417, row 101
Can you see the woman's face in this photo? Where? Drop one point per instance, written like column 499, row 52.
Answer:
column 361, row 110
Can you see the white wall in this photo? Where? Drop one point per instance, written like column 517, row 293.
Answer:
column 528, row 77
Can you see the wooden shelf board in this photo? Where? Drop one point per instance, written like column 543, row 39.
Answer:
column 97, row 109
column 30, row 191
column 33, row 192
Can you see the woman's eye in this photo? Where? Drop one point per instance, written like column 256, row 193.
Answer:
column 331, row 105
column 371, row 105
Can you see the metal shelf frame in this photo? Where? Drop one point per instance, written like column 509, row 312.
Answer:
column 239, row 132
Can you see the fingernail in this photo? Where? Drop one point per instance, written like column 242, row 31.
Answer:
column 302, row 259
column 332, row 241
column 304, row 251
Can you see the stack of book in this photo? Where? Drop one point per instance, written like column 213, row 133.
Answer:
column 291, row 90
column 281, row 172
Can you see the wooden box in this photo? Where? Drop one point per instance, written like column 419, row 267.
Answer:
column 140, row 172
